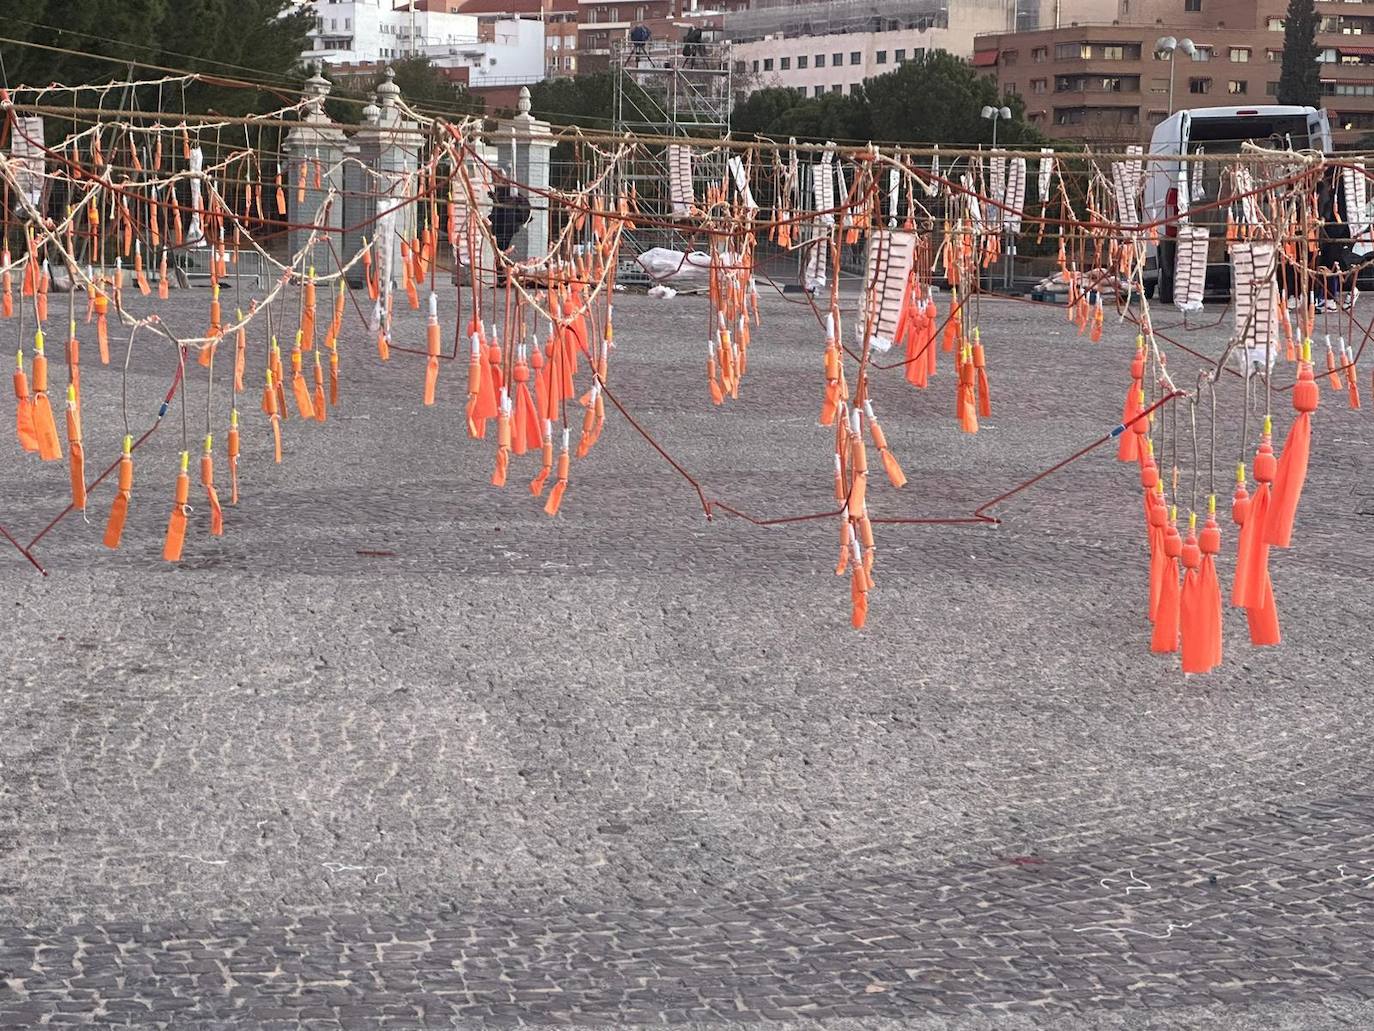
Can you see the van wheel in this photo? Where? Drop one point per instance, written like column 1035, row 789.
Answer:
column 1166, row 274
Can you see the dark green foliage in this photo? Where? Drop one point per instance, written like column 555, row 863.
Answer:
column 1299, row 81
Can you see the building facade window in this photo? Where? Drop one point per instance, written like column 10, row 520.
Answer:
column 801, row 62
column 1039, row 85
column 1237, row 87
column 1199, row 85
column 756, row 66
column 898, row 56
column 1271, row 89
column 1273, row 56
column 784, row 63
column 1274, row 24
column 1192, row 6
column 880, row 57
column 855, row 56
column 836, row 60
column 820, row 60
column 1240, row 55
column 767, row 64
column 1202, row 54
column 1040, row 54
column 816, row 91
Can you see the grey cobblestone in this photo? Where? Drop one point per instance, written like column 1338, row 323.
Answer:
column 222, row 787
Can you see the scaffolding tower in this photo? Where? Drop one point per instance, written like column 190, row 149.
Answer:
column 666, row 88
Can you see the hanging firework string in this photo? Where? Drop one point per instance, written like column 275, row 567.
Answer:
column 128, row 197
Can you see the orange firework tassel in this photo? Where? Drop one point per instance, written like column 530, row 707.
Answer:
column 207, row 480
column 76, row 451
column 1209, row 541
column 1350, row 377
column 281, row 201
column 176, row 525
column 1166, row 632
column 432, row 361
column 269, row 403
column 1129, row 450
column 24, row 425
column 44, row 426
column 334, row 375
column 162, row 284
column 967, row 406
column 300, row 183
column 233, row 451
column 119, row 510
column 561, row 484
column 1291, row 472
column 1194, row 643
column 216, row 317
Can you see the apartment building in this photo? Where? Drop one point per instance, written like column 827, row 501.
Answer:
column 601, row 23
column 1104, row 83
column 833, row 46
column 478, row 46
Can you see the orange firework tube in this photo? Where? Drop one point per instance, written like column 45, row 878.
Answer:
column 216, row 317
column 279, row 382
column 980, row 373
column 240, row 351
column 102, row 326
column 269, row 402
column 546, row 455
column 300, row 183
column 318, row 168
column 28, row 437
column 44, row 427
column 176, row 525
column 304, row 407
column 233, row 456
column 207, row 480
column 308, row 315
column 1333, row 380
column 139, row 277
column 281, row 197
column 7, row 284
column 585, row 441
column 318, row 400
column 890, row 464
column 74, row 362
column 119, row 510
column 369, row 274
column 337, row 323
column 432, row 346
column 76, row 451
column 474, row 382
column 333, row 375
column 162, row 284
column 503, row 443
column 858, row 462
column 408, row 281
column 561, row 484
column 40, row 301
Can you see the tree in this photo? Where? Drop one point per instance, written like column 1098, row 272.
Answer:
column 587, row 101
column 1299, row 81
column 933, row 99
column 939, row 98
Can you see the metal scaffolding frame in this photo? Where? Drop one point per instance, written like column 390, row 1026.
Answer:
column 670, row 88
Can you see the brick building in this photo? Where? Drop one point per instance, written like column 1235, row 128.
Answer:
column 1101, row 82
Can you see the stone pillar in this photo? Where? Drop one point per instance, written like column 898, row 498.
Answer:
column 524, row 145
column 318, row 143
column 359, row 206
column 389, row 145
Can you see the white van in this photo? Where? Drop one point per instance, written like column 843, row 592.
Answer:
column 1213, row 130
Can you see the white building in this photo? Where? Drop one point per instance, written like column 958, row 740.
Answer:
column 507, row 51
column 819, row 47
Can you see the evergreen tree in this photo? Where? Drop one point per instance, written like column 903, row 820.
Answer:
column 1299, row 82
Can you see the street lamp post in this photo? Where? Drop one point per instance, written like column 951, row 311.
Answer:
column 1171, row 46
column 995, row 115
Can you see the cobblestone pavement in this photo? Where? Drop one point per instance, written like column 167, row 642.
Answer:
column 399, row 750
